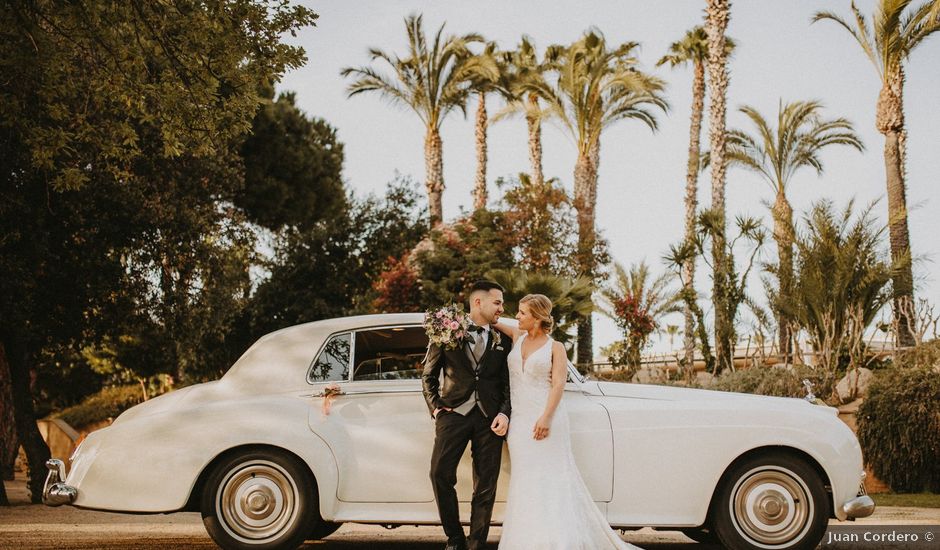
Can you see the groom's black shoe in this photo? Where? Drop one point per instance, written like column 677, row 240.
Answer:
column 457, row 544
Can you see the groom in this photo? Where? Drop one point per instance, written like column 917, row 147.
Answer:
column 472, row 406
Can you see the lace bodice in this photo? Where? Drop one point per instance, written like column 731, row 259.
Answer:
column 535, row 370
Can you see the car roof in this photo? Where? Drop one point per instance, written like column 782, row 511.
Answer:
column 340, row 324
column 280, row 359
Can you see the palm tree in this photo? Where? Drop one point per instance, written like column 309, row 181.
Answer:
column 841, row 280
column 486, row 75
column 637, row 302
column 672, row 331
column 894, row 33
column 693, row 48
column 777, row 154
column 432, row 81
column 717, row 13
column 595, row 88
column 527, row 71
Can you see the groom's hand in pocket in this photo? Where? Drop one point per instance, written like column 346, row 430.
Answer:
column 500, row 425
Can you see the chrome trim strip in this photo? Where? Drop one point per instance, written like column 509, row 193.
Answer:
column 347, row 391
column 352, row 355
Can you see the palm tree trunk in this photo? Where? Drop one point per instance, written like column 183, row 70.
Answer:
column 899, row 237
column 898, row 85
column 535, row 139
column 717, row 13
column 890, row 122
column 585, row 202
column 691, row 206
column 783, row 235
column 434, row 174
column 479, row 189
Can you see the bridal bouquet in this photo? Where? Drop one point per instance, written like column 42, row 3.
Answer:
column 447, row 326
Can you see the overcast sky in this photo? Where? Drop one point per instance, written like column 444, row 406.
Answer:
column 780, row 55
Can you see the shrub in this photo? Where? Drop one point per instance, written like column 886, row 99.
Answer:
column 765, row 381
column 925, row 355
column 899, row 428
column 107, row 403
column 613, row 375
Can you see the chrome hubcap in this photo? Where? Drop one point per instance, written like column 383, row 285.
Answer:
column 771, row 506
column 257, row 501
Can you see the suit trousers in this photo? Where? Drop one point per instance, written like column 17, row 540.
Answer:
column 452, row 433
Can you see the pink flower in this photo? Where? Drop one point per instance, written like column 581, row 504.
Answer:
column 454, row 325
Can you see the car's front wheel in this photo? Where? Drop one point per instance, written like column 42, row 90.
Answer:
column 259, row 499
column 772, row 502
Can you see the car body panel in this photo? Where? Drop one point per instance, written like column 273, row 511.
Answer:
column 389, row 419
column 650, row 455
column 690, row 437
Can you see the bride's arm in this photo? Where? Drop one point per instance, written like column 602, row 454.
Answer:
column 506, row 329
column 559, row 378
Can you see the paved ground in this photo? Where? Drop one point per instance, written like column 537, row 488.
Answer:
column 25, row 526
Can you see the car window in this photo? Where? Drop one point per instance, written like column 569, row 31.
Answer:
column 332, row 364
column 389, row 353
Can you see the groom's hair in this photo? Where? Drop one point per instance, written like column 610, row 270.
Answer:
column 485, row 286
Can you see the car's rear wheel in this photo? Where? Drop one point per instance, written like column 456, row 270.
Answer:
column 260, row 499
column 771, row 502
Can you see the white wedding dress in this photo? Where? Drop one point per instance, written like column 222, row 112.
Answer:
column 548, row 506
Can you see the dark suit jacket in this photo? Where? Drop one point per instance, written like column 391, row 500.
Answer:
column 460, row 379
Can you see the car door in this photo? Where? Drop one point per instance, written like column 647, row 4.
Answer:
column 378, row 428
column 591, row 439
column 381, row 434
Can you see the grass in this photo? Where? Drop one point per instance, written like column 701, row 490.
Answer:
column 916, row 500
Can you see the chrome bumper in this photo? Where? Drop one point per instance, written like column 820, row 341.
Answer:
column 859, row 507
column 56, row 492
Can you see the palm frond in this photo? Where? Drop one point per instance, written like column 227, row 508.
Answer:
column 859, row 32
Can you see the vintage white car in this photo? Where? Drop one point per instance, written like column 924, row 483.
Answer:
column 259, row 456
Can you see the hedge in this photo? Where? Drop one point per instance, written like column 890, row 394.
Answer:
column 107, row 403
column 899, row 428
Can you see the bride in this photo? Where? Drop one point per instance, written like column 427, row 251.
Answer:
column 548, row 505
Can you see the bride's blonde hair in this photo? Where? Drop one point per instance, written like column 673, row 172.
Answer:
column 541, row 308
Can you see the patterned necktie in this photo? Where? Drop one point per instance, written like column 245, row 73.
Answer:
column 478, row 346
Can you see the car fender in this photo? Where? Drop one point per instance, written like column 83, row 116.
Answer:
column 151, row 463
